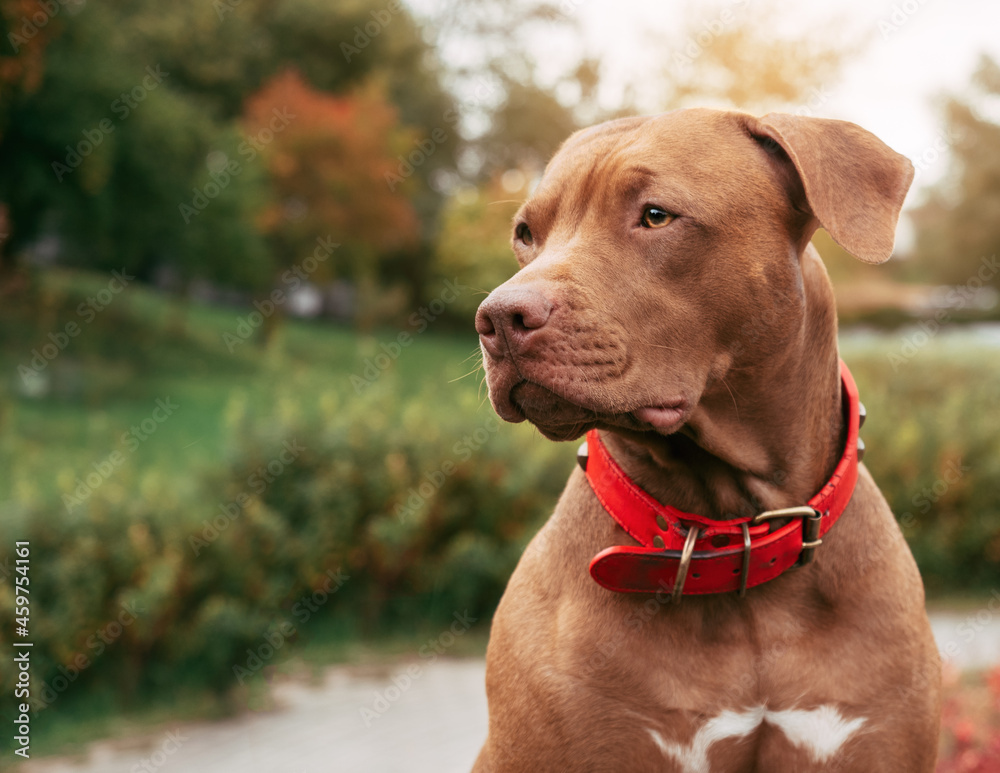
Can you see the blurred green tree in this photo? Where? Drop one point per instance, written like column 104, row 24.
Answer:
column 225, row 51
column 105, row 155
column 508, row 115
column 26, row 26
column 528, row 127
column 958, row 230
column 131, row 152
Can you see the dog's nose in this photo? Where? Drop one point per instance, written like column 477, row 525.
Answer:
column 508, row 318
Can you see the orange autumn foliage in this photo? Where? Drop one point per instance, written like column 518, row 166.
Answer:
column 29, row 25
column 327, row 157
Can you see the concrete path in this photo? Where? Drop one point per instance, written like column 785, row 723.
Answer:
column 437, row 723
column 969, row 640
column 415, row 717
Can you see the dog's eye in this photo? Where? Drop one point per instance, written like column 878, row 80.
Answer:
column 654, row 217
column 523, row 233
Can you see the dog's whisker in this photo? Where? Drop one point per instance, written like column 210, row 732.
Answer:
column 732, row 395
column 477, row 352
column 465, row 375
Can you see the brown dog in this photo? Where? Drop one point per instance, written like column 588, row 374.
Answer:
column 670, row 298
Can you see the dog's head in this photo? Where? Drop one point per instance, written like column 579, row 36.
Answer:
column 657, row 253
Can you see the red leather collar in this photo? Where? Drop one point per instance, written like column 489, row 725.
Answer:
column 684, row 553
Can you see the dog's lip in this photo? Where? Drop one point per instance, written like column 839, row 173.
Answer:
column 662, row 418
column 665, row 418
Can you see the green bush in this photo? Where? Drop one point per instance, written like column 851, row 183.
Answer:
column 417, row 515
column 427, row 513
column 933, row 447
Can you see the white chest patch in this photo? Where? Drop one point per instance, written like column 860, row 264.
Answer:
column 821, row 732
column 693, row 757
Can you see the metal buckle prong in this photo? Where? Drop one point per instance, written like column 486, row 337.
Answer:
column 682, row 568
column 745, row 571
column 804, row 511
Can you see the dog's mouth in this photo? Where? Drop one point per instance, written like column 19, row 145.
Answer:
column 559, row 418
column 662, row 418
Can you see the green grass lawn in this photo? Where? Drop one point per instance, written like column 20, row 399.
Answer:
column 110, row 376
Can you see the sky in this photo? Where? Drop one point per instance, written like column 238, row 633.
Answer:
column 919, row 50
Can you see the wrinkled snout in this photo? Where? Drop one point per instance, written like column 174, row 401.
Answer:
column 511, row 318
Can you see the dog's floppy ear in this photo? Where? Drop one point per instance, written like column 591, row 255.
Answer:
column 854, row 183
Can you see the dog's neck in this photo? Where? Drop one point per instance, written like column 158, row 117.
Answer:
column 763, row 436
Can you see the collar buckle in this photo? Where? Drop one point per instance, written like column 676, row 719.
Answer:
column 811, row 522
column 810, row 537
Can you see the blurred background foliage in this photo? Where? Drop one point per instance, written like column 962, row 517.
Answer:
column 207, row 152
